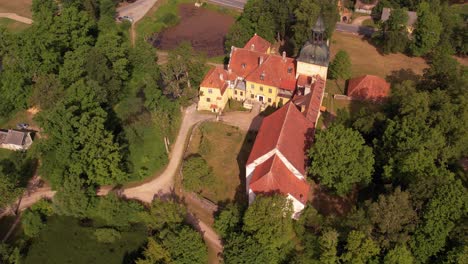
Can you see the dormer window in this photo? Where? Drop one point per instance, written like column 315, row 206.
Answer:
column 262, row 76
column 243, row 65
column 290, row 70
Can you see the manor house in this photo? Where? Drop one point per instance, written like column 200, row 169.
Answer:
column 278, row 160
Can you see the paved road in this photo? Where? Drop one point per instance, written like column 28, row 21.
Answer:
column 17, row 18
column 238, row 4
column 136, row 10
column 355, row 29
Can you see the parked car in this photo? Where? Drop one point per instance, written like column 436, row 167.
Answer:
column 128, row 18
column 22, row 126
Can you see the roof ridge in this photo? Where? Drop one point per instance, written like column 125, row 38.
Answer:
column 283, row 124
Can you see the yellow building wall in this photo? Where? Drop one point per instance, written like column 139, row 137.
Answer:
column 214, row 97
column 311, row 69
column 257, row 90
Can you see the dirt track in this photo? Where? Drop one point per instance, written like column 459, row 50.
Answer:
column 17, row 17
column 205, row 29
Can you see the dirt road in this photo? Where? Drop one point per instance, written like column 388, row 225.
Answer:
column 17, row 17
column 164, row 183
column 136, row 10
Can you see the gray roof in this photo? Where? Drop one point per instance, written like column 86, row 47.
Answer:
column 412, row 16
column 13, row 137
column 319, row 25
column 315, row 53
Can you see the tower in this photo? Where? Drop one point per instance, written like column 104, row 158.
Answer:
column 315, row 54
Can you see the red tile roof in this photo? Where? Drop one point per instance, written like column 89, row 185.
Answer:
column 244, row 61
column 368, row 87
column 316, row 97
column 257, row 43
column 275, row 71
column 304, row 80
column 288, row 131
column 216, row 78
column 272, row 176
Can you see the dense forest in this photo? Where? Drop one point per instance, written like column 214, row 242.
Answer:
column 399, row 161
column 97, row 97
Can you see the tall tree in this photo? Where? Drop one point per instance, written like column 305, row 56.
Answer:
column 340, row 159
column 394, row 36
column 427, row 32
column 328, row 247
column 359, row 249
column 340, row 67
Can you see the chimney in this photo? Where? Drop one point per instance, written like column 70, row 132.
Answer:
column 221, row 77
column 230, row 71
column 284, row 55
column 260, row 60
column 252, row 47
column 307, row 89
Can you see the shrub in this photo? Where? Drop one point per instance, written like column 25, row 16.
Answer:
column 107, row 235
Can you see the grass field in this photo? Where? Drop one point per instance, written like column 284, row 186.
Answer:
column 20, row 7
column 220, row 145
column 366, row 59
column 65, row 241
column 12, row 25
column 5, row 153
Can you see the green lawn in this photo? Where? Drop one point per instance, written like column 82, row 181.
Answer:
column 5, row 153
column 220, row 145
column 234, row 105
column 12, row 25
column 64, row 240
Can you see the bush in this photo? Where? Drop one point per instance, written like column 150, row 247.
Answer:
column 32, row 223
column 107, row 235
column 197, row 173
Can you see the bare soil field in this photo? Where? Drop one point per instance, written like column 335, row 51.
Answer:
column 20, row 7
column 205, row 29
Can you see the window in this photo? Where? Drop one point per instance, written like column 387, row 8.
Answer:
column 262, row 76
column 269, row 90
column 290, row 70
column 208, row 100
column 252, row 86
column 261, row 88
column 252, row 96
column 243, row 65
column 269, row 100
column 235, row 92
column 210, row 91
column 241, row 94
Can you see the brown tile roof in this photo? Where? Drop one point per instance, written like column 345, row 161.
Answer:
column 217, row 78
column 368, row 87
column 288, row 131
column 272, row 176
column 243, row 61
column 257, row 43
column 276, row 71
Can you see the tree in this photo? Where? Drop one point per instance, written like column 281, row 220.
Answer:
column 340, row 67
column 393, row 218
column 239, row 34
column 328, row 247
column 185, row 246
column 164, row 214
column 116, row 212
column 427, row 32
column 268, row 220
column 228, row 221
column 244, row 249
column 439, row 217
column 306, row 16
column 184, row 71
column 73, row 198
column 340, row 159
column 9, row 255
column 154, row 253
column 47, row 91
column 359, row 249
column 399, row 255
column 32, row 223
column 197, row 174
column 266, row 27
column 394, row 37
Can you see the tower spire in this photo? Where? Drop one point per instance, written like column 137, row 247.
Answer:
column 318, row 30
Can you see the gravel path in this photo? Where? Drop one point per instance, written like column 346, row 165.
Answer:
column 17, row 17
